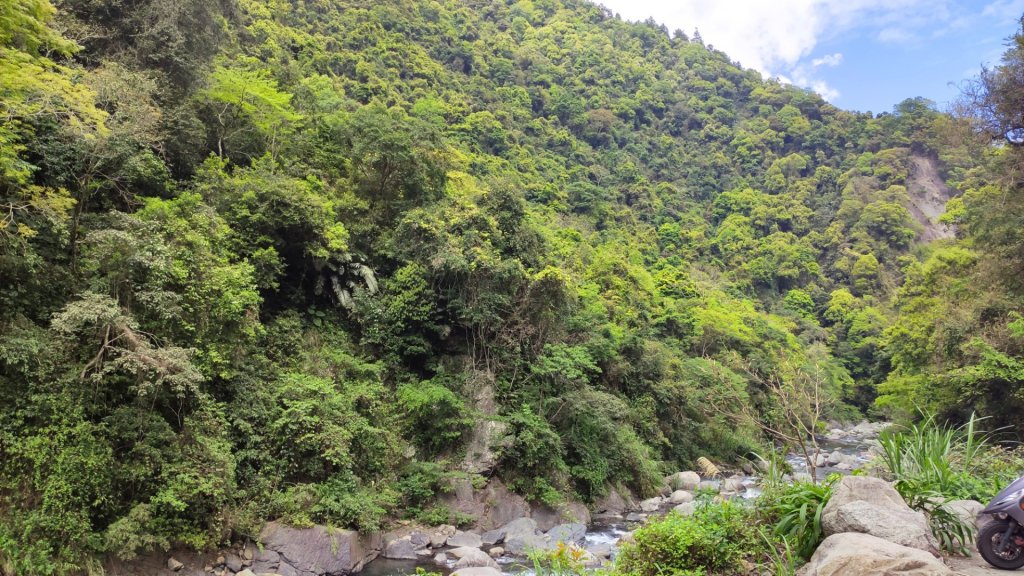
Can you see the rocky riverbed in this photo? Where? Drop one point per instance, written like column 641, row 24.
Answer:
column 507, row 527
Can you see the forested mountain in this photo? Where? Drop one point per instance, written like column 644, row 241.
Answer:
column 309, row 259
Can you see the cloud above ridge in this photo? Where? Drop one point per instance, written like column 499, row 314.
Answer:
column 779, row 37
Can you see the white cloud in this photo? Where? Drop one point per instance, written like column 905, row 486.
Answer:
column 829, row 60
column 1004, row 10
column 895, row 35
column 777, row 37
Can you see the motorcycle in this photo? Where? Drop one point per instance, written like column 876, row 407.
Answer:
column 1001, row 541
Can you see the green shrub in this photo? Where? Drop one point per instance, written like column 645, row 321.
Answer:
column 935, row 463
column 564, row 560
column 717, row 538
column 532, row 453
column 796, row 511
column 339, row 501
column 435, row 417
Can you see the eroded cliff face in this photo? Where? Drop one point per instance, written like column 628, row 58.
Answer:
column 928, row 196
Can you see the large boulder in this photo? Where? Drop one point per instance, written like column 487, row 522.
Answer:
column 405, row 544
column 521, row 537
column 688, row 480
column 481, row 571
column 968, row 511
column 852, row 554
column 472, row 558
column 401, row 549
column 319, row 550
column 613, row 504
column 652, row 504
column 680, row 496
column 733, row 485
column 686, row 508
column 492, row 537
column 461, row 538
column 567, row 533
column 440, row 535
column 871, row 506
column 266, row 560
column 519, row 528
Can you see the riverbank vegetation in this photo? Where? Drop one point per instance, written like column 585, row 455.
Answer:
column 315, row 260
column 932, row 466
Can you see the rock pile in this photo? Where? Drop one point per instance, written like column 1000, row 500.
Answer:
column 871, row 530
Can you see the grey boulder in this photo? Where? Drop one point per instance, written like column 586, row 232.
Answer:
column 688, row 480
column 568, row 533
column 871, row 506
column 480, row 571
column 319, row 550
column 461, row 538
column 680, row 496
column 852, row 554
column 472, row 558
column 492, row 537
column 651, row 504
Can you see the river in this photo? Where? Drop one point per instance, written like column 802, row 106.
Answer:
column 606, row 532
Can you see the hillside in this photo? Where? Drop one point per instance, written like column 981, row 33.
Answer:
column 310, row 260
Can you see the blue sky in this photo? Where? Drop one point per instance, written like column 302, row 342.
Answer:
column 858, row 54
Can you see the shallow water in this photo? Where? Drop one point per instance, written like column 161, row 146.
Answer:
column 606, row 532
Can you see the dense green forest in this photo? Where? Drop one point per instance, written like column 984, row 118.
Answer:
column 286, row 258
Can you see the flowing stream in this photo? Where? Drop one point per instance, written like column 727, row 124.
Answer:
column 606, row 532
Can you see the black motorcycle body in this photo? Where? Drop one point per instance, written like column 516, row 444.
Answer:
column 1001, row 541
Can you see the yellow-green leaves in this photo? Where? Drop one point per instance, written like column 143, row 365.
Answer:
column 34, row 88
column 244, row 100
column 23, row 26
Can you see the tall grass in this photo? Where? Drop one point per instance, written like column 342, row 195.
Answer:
column 936, row 456
column 773, row 469
column 933, row 463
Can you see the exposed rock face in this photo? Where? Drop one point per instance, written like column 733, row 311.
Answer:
column 493, row 506
column 852, row 554
column 316, row 551
column 480, row 457
column 569, row 512
column 871, row 506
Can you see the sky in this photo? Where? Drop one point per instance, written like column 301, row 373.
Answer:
column 858, row 54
